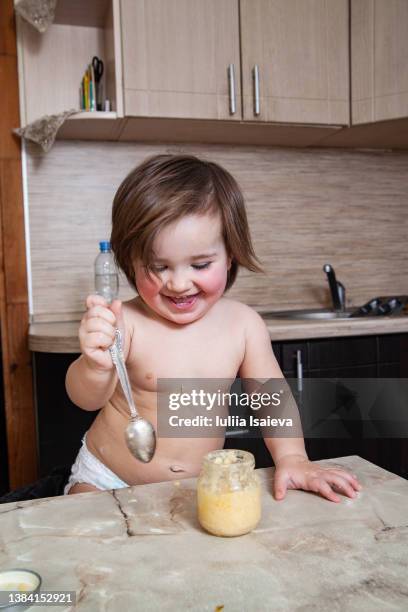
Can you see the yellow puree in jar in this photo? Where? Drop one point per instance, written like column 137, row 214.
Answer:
column 229, row 514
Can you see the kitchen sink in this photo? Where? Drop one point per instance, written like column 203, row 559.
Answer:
column 316, row 313
column 395, row 306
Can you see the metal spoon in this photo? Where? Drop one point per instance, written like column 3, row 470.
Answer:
column 139, row 434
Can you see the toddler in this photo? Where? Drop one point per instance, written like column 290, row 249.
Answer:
column 179, row 233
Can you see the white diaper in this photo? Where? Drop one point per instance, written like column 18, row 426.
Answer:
column 88, row 469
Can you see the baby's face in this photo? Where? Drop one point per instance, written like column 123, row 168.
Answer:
column 189, row 268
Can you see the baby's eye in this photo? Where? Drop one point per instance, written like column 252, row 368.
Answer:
column 158, row 268
column 201, row 266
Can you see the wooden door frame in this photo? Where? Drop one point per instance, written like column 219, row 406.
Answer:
column 14, row 306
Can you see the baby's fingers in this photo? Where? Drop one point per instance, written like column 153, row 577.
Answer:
column 99, row 340
column 97, row 324
column 96, row 300
column 101, row 313
column 321, row 486
column 349, row 477
column 340, row 484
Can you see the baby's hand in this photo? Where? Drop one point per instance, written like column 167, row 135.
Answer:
column 297, row 472
column 97, row 331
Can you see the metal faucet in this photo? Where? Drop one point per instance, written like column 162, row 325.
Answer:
column 337, row 290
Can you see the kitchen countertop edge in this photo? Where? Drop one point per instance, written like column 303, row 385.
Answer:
column 62, row 337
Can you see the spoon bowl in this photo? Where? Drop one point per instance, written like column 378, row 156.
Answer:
column 141, row 439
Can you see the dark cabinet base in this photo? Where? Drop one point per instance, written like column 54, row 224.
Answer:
column 364, row 357
column 60, row 423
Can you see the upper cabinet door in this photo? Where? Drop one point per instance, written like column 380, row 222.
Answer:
column 181, row 58
column 379, row 47
column 295, row 61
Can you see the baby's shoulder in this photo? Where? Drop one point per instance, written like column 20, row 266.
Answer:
column 134, row 316
column 133, row 308
column 135, row 312
column 249, row 325
column 241, row 313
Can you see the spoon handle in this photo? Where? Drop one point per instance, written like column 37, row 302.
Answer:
column 116, row 353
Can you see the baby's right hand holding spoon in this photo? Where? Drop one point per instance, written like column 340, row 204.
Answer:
column 97, row 331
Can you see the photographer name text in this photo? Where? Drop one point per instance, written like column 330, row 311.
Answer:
column 228, row 421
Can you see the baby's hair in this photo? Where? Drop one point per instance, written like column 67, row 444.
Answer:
column 165, row 188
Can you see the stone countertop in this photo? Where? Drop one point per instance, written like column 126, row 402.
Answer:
column 62, row 337
column 302, row 329
column 141, row 548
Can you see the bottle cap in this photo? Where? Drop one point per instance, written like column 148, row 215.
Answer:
column 104, row 246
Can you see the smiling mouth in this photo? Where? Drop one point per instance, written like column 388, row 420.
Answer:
column 184, row 301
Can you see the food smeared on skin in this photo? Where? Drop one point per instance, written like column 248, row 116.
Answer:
column 176, row 469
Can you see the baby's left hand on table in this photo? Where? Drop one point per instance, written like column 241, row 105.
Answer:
column 297, row 472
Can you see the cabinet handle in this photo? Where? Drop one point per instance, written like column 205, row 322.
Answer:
column 257, row 105
column 299, row 370
column 231, row 86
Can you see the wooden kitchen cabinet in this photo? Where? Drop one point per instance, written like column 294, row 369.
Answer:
column 300, row 50
column 176, row 55
column 379, row 52
column 178, row 58
column 168, row 60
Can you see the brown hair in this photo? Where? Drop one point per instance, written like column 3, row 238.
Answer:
column 165, row 188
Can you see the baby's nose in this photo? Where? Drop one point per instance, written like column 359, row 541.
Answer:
column 179, row 282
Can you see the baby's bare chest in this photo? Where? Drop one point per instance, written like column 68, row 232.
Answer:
column 207, row 353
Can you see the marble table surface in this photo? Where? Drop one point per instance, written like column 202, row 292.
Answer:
column 141, row 548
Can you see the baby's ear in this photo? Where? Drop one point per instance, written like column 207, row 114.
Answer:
column 229, row 262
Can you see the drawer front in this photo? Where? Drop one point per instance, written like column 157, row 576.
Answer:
column 390, row 348
column 342, row 352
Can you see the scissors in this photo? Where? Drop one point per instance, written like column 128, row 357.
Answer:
column 97, row 65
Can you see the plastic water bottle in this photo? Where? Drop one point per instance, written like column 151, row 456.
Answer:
column 106, row 274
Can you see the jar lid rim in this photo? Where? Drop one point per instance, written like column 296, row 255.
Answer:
column 241, row 457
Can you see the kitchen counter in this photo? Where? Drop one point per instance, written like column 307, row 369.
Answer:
column 142, row 548
column 62, row 337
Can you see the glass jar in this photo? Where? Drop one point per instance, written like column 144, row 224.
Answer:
column 228, row 493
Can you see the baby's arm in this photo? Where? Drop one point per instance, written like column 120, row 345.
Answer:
column 91, row 379
column 260, row 364
column 293, row 468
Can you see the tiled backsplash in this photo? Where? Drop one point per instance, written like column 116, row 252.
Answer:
column 305, row 207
